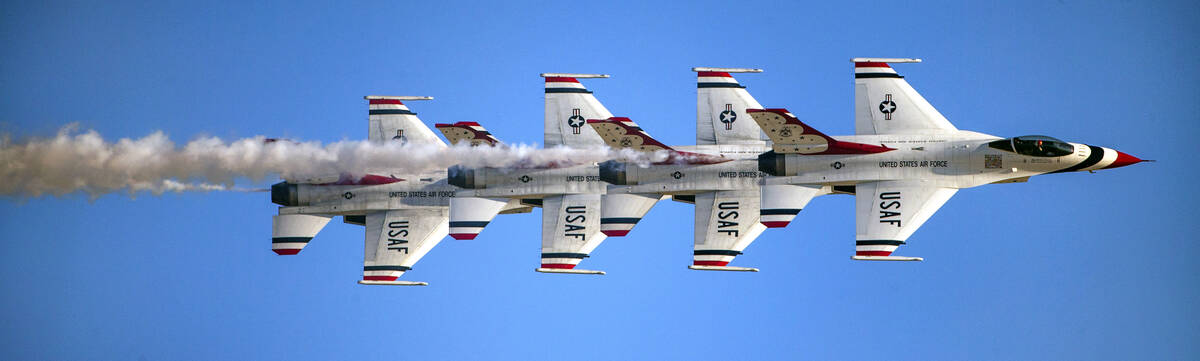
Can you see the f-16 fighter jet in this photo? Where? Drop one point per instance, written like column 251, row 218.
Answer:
column 904, row 161
column 405, row 216
column 719, row 174
column 569, row 194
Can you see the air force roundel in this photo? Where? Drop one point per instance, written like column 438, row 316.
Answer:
column 728, row 117
column 576, row 121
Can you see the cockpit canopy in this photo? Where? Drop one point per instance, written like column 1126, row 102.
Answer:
column 1034, row 146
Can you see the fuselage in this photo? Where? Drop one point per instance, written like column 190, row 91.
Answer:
column 959, row 159
column 428, row 189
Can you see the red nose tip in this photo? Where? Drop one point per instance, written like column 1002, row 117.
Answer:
column 1123, row 160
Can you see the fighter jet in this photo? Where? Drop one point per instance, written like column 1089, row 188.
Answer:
column 578, row 211
column 569, row 193
column 405, row 215
column 904, row 161
column 719, row 174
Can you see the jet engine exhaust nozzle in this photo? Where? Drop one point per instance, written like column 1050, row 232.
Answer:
column 772, row 163
column 461, row 177
column 285, row 194
column 614, row 172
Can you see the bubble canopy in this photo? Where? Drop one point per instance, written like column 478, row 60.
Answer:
column 1034, row 146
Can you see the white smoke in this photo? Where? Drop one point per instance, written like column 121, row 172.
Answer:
column 84, row 161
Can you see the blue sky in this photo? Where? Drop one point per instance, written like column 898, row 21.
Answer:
column 1068, row 266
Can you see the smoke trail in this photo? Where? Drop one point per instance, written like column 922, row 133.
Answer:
column 83, row 161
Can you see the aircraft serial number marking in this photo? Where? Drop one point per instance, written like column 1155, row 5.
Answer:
column 397, row 236
column 915, row 164
column 421, row 194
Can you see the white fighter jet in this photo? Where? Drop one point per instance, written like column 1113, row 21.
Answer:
column 579, row 210
column 405, row 215
column 569, row 193
column 904, row 161
column 719, row 174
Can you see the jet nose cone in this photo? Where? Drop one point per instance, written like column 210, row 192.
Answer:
column 1123, row 160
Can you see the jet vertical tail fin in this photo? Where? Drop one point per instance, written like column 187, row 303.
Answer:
column 720, row 100
column 391, row 120
column 568, row 107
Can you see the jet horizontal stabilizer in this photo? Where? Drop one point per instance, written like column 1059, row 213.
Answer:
column 572, row 271
column 727, row 70
column 393, row 283
column 723, row 268
column 886, row 258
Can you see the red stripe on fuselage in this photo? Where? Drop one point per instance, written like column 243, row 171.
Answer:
column 710, row 263
column 379, row 278
column 873, row 253
column 558, row 265
column 386, row 101
column 714, row 74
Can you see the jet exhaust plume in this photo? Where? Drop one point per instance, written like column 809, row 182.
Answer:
column 84, row 161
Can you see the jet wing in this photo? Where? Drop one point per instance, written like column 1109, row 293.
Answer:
column 397, row 239
column 888, row 212
column 884, row 103
column 621, row 133
column 471, row 133
column 570, row 231
column 726, row 222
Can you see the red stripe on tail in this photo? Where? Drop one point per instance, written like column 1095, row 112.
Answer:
column 871, row 65
column 557, row 79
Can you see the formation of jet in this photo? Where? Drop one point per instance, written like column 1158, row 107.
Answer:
column 752, row 168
